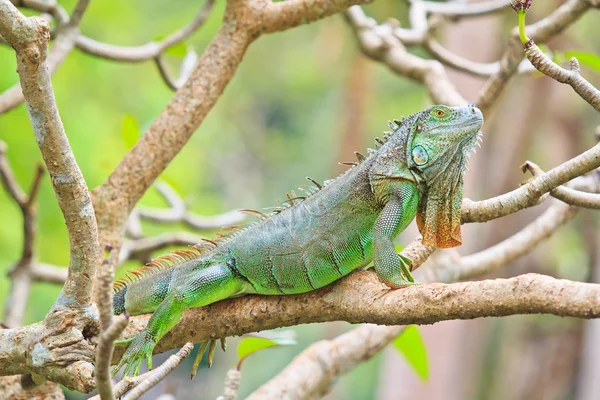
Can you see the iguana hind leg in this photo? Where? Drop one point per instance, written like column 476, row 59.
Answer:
column 211, row 284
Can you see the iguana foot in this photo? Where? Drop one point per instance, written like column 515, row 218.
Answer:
column 405, row 265
column 401, row 284
column 211, row 345
column 140, row 348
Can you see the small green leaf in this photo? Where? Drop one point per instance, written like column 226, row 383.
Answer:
column 410, row 344
column 251, row 345
column 130, row 130
column 591, row 60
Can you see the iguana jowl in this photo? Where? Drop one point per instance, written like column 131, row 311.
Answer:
column 352, row 220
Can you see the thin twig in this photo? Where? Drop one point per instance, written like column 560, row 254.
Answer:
column 8, row 179
column 126, row 384
column 140, row 249
column 104, row 353
column 147, row 51
column 572, row 77
column 67, row 32
column 49, row 273
column 232, row 384
column 456, row 9
column 571, row 196
column 20, row 274
column 177, row 212
column 385, row 47
column 160, row 373
column 529, row 194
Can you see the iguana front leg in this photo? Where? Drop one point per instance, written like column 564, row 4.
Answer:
column 392, row 268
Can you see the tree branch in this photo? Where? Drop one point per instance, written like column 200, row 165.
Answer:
column 492, row 258
column 67, row 32
column 385, row 47
column 571, row 77
column 149, row 50
column 464, row 9
column 361, row 298
column 104, row 353
column 29, row 37
column 574, row 197
column 311, row 374
column 529, row 195
column 541, row 32
column 160, row 373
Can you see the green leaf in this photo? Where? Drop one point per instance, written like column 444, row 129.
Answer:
column 251, row 345
column 591, row 60
column 130, row 130
column 410, row 344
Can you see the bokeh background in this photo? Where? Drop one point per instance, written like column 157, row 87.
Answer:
column 301, row 101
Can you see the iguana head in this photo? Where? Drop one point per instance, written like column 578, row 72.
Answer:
column 437, row 150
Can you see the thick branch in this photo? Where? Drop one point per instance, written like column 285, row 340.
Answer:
column 361, row 297
column 29, row 37
column 278, row 16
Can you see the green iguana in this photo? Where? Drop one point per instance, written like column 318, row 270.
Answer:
column 314, row 240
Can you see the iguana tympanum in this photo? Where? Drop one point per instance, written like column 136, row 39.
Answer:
column 314, row 240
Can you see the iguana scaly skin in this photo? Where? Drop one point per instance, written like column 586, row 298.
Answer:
column 352, row 220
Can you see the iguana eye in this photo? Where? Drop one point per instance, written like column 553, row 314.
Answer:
column 439, row 113
column 419, row 155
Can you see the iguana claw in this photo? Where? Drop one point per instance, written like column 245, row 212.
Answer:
column 140, row 348
column 405, row 264
column 211, row 345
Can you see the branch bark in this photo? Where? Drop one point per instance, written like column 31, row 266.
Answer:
column 311, row 374
column 529, row 194
column 571, row 77
column 362, row 298
column 67, row 33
